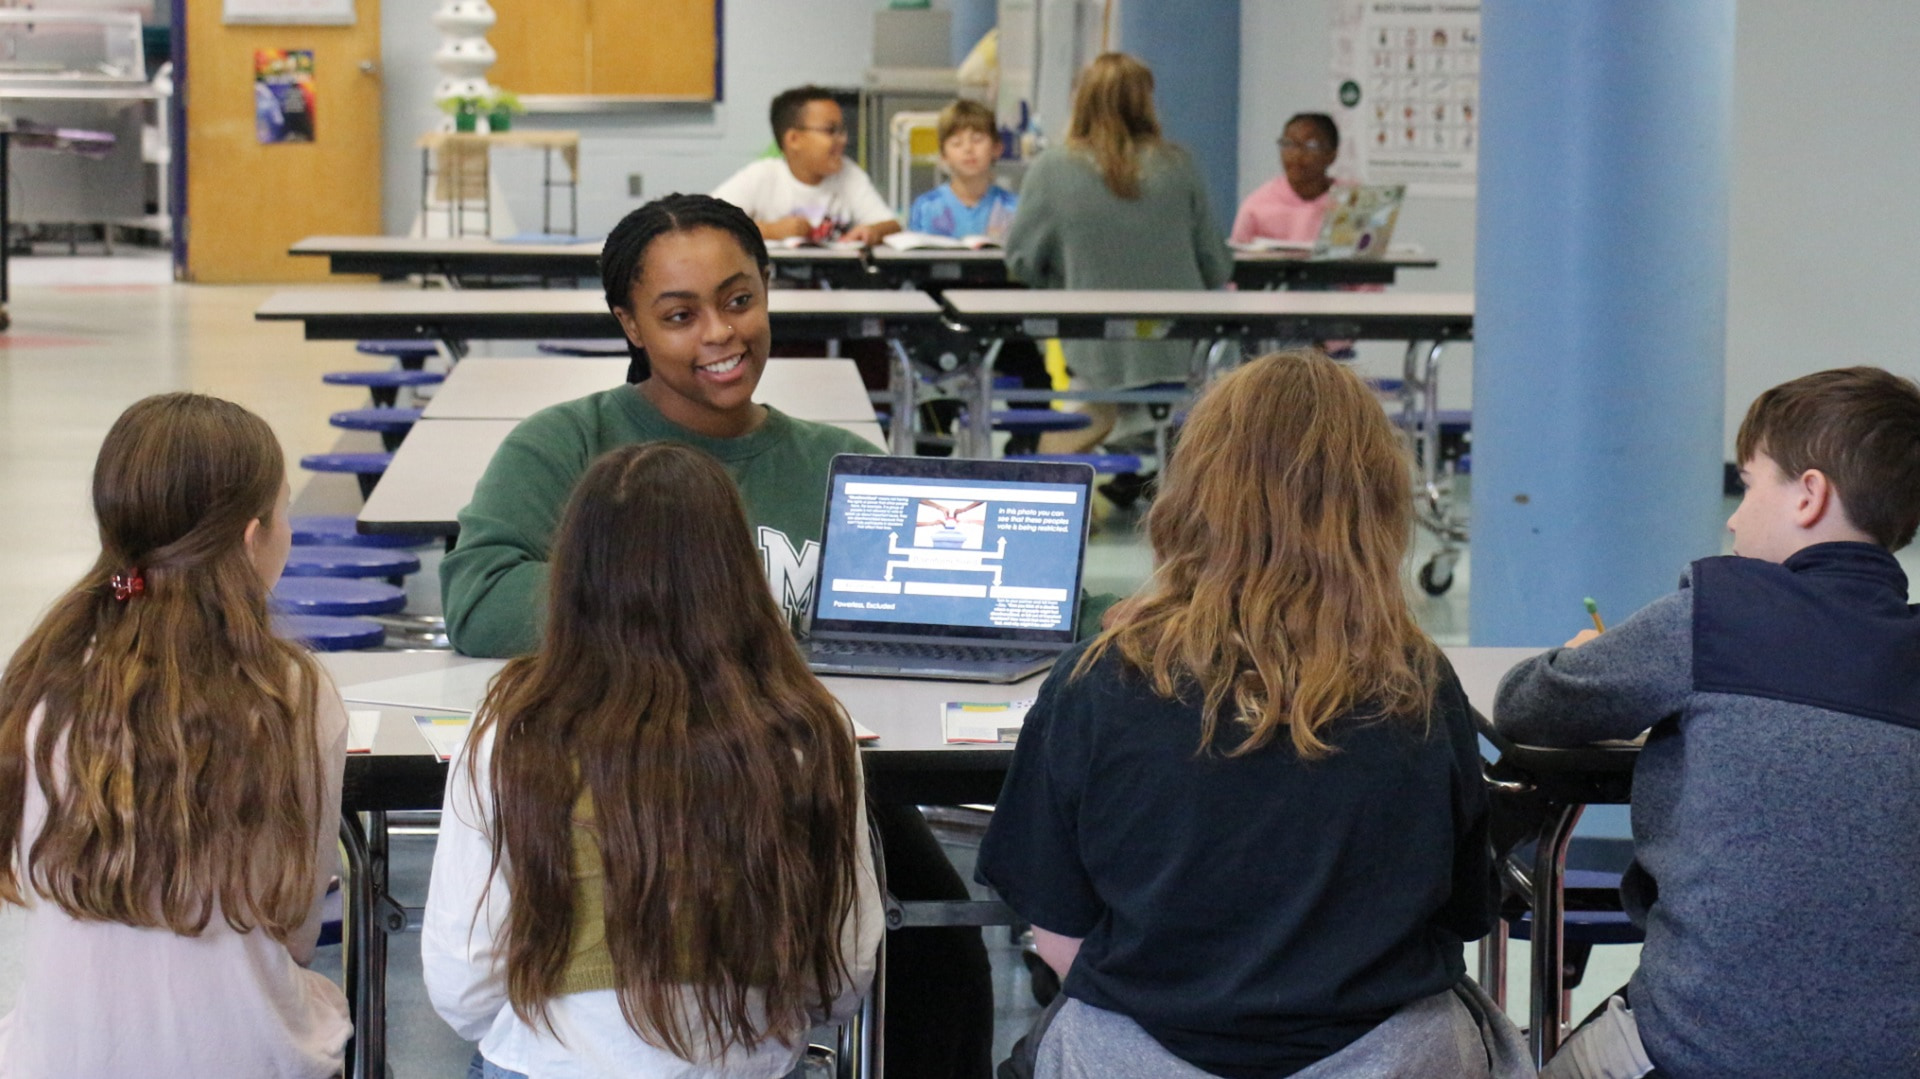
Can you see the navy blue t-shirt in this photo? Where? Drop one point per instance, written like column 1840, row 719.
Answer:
column 1255, row 914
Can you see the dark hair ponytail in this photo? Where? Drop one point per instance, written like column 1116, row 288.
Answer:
column 627, row 245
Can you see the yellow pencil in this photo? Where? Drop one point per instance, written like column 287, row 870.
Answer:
column 1593, row 609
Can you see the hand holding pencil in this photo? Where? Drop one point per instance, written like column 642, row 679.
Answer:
column 1585, row 635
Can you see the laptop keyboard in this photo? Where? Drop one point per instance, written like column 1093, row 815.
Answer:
column 939, row 652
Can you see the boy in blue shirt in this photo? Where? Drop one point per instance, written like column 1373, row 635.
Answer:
column 1776, row 817
column 970, row 204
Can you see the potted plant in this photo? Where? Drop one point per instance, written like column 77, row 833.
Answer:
column 501, row 108
column 465, row 110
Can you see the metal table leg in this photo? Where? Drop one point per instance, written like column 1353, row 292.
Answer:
column 371, row 915
column 900, row 432
column 1547, row 1013
column 980, row 419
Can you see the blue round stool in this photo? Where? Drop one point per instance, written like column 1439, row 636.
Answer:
column 1582, row 929
column 341, row 597
column 365, row 467
column 323, row 634
column 1103, row 464
column 341, row 530
column 392, row 423
column 412, row 354
column 599, row 346
column 383, row 385
column 350, row 562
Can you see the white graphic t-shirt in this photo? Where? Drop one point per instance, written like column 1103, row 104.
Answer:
column 768, row 191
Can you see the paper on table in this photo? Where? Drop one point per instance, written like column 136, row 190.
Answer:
column 458, row 688
column 360, row 729
column 862, row 734
column 446, row 734
column 992, row 722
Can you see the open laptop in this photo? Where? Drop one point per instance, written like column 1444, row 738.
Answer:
column 1359, row 224
column 941, row 567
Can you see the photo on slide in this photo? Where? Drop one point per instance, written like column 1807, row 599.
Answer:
column 953, row 526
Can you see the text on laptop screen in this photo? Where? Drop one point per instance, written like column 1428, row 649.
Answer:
column 981, row 553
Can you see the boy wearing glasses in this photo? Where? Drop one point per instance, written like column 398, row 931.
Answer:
column 1290, row 206
column 811, row 192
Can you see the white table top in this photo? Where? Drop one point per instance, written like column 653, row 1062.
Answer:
column 481, row 245
column 322, row 302
column 435, row 470
column 515, row 388
column 904, row 712
column 1050, row 303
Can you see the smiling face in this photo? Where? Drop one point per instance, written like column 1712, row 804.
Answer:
column 699, row 308
column 817, row 148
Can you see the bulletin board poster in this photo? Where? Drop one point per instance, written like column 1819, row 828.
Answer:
column 283, row 95
column 1406, row 77
column 289, row 12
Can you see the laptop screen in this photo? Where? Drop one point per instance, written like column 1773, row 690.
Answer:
column 958, row 548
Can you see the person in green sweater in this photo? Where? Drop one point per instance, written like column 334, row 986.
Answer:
column 692, row 297
column 687, row 277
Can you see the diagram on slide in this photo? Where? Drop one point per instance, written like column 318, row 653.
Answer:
column 973, row 554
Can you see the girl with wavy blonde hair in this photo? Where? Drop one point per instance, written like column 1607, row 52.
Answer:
column 1247, row 820
column 170, row 777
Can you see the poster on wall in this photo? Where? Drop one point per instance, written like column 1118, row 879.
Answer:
column 283, row 95
column 289, row 12
column 1406, row 76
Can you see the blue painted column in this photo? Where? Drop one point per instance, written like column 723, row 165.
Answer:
column 1601, row 281
column 971, row 20
column 1193, row 47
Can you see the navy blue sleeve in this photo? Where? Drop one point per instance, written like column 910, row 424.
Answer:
column 1031, row 852
column 1471, row 907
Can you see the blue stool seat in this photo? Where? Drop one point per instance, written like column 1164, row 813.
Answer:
column 341, row 530
column 331, row 916
column 392, row 423
column 323, row 634
column 1104, row 464
column 1463, row 465
column 337, row 596
column 604, row 346
column 1384, row 385
column 1587, row 926
column 1027, row 421
column 384, row 386
column 350, row 562
column 366, row 467
column 412, row 354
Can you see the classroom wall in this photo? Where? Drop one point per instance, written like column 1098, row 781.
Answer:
column 1286, row 48
column 767, row 46
column 1824, row 227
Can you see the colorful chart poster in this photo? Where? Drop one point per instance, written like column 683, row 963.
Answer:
column 283, row 95
column 1407, row 78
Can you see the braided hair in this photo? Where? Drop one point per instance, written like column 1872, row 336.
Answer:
column 626, row 249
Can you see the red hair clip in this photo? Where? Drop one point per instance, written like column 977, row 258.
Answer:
column 129, row 584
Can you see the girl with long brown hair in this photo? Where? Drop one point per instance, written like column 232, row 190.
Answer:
column 170, row 777
column 654, row 859
column 1117, row 207
column 1247, row 820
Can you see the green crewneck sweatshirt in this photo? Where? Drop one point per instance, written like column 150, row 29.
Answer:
column 494, row 583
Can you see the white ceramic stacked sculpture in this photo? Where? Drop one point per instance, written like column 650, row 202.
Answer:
column 464, row 56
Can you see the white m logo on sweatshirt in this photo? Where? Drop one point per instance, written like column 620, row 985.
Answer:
column 790, row 573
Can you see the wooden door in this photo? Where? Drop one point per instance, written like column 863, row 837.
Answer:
column 247, row 202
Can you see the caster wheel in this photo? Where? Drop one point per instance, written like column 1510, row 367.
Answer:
column 1046, row 984
column 1432, row 583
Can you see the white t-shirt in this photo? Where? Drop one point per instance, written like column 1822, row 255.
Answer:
column 465, row 969
column 768, row 191
column 101, row 1000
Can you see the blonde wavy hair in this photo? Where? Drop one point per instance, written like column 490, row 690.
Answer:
column 1113, row 119
column 1278, row 541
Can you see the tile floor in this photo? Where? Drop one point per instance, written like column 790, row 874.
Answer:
column 91, row 335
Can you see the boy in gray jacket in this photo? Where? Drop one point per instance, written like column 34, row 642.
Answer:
column 1776, row 806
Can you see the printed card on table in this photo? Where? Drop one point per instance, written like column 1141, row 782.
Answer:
column 361, row 726
column 986, row 722
column 445, row 733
